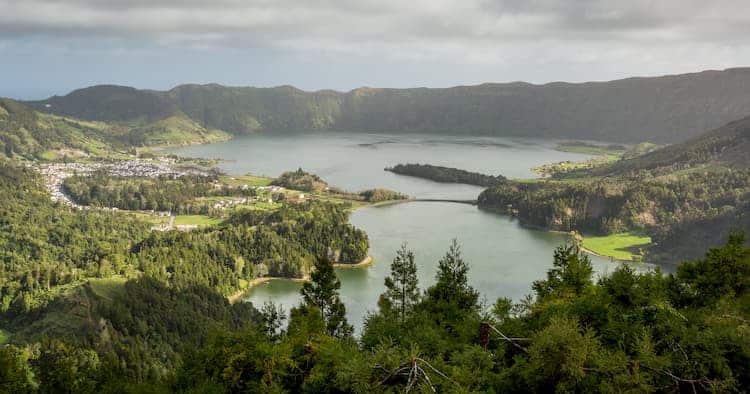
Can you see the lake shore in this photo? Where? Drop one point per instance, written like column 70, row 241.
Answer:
column 365, row 262
column 236, row 296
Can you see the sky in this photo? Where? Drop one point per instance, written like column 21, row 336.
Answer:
column 52, row 47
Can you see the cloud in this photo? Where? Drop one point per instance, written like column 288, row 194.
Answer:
column 378, row 42
column 342, row 24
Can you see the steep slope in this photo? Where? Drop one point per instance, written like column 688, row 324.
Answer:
column 659, row 109
column 241, row 110
column 29, row 134
column 728, row 145
column 116, row 116
column 686, row 196
column 174, row 130
column 109, row 103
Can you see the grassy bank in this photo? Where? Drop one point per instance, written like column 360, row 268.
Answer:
column 622, row 246
column 108, row 288
column 248, row 179
column 198, row 220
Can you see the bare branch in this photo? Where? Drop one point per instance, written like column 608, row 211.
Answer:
column 511, row 340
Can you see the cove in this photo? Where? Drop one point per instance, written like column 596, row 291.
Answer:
column 504, row 258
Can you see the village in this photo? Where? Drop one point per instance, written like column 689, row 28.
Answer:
column 55, row 173
column 264, row 196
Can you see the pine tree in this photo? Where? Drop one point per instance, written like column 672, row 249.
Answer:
column 452, row 284
column 322, row 293
column 272, row 319
column 401, row 286
column 571, row 273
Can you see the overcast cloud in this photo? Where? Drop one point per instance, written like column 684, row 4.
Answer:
column 52, row 46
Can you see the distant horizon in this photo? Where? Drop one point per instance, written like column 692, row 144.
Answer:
column 165, row 89
column 54, row 47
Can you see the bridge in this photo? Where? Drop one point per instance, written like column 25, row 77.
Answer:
column 469, row 202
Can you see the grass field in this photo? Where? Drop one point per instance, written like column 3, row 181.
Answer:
column 200, row 220
column 342, row 200
column 623, row 246
column 152, row 219
column 179, row 130
column 568, row 166
column 107, row 288
column 250, row 180
column 267, row 206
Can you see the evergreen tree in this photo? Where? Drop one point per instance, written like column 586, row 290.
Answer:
column 401, row 292
column 272, row 319
column 322, row 293
column 452, row 284
column 16, row 375
column 571, row 274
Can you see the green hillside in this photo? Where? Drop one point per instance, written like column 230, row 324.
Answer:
column 664, row 109
column 27, row 133
column 725, row 146
column 174, row 130
column 110, row 103
column 685, row 197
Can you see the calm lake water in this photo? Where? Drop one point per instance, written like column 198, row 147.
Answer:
column 504, row 257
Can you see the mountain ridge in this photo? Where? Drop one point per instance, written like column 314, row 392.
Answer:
column 727, row 145
column 666, row 109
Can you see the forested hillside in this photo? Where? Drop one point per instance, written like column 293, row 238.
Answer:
column 728, row 145
column 685, row 196
column 30, row 134
column 161, row 194
column 685, row 332
column 97, row 288
column 25, row 133
column 658, row 109
column 66, row 247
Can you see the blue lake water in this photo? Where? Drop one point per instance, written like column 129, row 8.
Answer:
column 504, row 257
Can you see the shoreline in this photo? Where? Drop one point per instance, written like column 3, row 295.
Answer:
column 611, row 258
column 364, row 263
column 547, row 230
column 161, row 148
column 236, row 296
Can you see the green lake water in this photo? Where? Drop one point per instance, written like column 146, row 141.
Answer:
column 504, row 258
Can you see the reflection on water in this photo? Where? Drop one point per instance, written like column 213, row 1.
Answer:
column 504, row 258
column 356, row 161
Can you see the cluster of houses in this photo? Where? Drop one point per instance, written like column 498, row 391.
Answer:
column 171, row 226
column 273, row 189
column 55, row 173
column 223, row 204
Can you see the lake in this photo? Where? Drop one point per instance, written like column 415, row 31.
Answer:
column 504, row 258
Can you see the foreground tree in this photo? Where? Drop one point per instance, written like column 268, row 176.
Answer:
column 322, row 293
column 272, row 319
column 571, row 274
column 401, row 292
column 452, row 284
column 16, row 375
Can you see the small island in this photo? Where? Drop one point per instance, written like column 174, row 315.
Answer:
column 447, row 174
column 304, row 181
